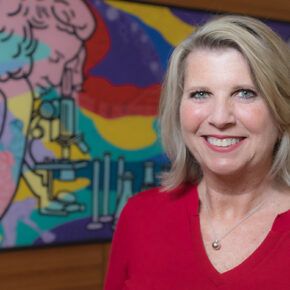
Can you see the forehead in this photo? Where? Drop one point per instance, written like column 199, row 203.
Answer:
column 215, row 53
column 217, row 65
column 204, row 58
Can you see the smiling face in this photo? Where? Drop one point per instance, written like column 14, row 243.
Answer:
column 225, row 123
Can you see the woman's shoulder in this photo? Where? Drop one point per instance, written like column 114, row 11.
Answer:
column 160, row 193
column 154, row 208
column 156, row 198
column 282, row 203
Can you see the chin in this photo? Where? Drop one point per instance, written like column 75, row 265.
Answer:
column 223, row 169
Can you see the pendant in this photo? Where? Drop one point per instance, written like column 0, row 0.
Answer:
column 216, row 245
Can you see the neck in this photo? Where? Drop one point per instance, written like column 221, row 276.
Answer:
column 232, row 199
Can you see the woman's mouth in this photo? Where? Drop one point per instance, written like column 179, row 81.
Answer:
column 224, row 142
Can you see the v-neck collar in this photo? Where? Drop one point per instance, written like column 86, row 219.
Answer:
column 280, row 225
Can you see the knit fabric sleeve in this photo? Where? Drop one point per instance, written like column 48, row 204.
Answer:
column 117, row 272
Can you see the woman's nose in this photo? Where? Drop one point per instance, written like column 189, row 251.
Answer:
column 222, row 114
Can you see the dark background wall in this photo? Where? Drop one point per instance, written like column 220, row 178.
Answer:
column 273, row 9
column 83, row 267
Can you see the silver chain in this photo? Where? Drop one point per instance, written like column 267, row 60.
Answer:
column 216, row 244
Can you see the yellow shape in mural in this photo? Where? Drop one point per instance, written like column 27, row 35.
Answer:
column 20, row 106
column 73, row 186
column 24, row 191
column 129, row 132
column 172, row 28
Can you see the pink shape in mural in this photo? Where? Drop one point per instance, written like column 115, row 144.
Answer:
column 7, row 184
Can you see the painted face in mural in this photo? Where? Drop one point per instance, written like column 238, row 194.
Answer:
column 65, row 40
column 64, row 47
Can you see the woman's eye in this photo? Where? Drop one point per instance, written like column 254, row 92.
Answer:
column 246, row 94
column 199, row 95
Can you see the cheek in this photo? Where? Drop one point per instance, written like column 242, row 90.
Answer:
column 191, row 116
column 258, row 119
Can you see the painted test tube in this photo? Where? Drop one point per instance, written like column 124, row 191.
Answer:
column 120, row 172
column 127, row 192
column 106, row 188
column 67, row 106
column 148, row 181
column 95, row 224
column 67, row 117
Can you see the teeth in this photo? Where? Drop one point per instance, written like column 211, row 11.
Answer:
column 223, row 142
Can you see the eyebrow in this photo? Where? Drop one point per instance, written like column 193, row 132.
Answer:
column 197, row 88
column 245, row 86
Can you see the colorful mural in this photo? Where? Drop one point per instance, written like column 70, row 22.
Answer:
column 79, row 91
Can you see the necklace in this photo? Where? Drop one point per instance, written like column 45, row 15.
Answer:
column 216, row 244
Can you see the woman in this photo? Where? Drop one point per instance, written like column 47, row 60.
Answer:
column 221, row 218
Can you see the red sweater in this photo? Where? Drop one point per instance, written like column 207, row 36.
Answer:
column 157, row 245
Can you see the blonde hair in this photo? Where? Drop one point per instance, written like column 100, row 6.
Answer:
column 268, row 58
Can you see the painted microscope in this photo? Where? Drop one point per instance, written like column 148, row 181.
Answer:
column 52, row 136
